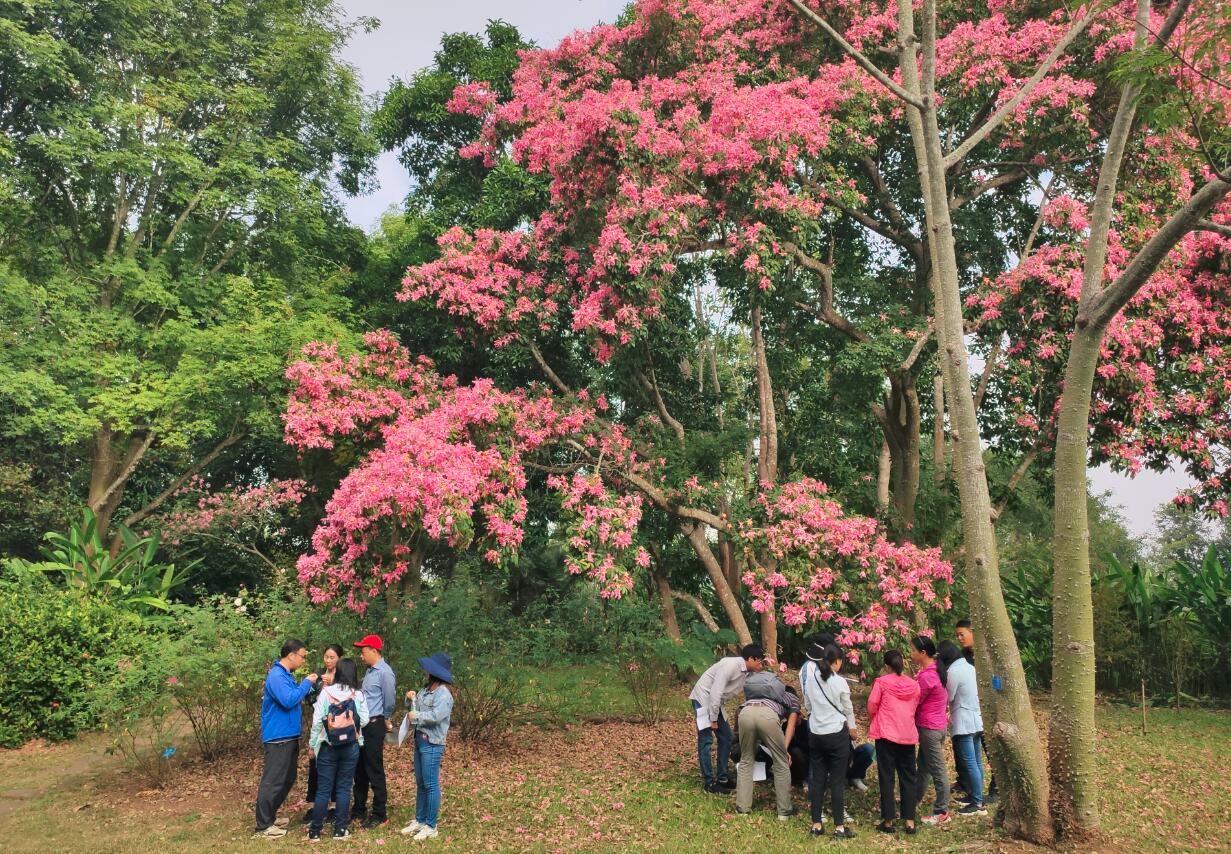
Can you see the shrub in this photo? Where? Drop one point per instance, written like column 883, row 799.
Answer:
column 218, row 666
column 58, row 645
column 136, row 709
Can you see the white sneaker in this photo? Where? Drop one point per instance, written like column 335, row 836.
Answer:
column 425, row 832
column 281, row 821
column 271, row 832
column 860, row 785
column 413, row 827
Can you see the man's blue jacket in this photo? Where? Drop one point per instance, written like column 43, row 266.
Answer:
column 281, row 712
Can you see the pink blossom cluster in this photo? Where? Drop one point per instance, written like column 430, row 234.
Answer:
column 230, row 508
column 601, row 532
column 441, row 458
column 1162, row 388
column 816, row 564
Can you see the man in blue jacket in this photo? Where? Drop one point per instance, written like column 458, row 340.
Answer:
column 281, row 720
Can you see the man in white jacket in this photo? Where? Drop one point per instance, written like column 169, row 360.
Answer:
column 723, row 681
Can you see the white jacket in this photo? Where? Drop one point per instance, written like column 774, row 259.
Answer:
column 828, row 701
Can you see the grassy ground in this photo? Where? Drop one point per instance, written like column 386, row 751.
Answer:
column 598, row 786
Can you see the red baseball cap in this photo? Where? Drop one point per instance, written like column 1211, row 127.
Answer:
column 373, row 641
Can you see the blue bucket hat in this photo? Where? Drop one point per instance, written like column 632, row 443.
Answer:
column 438, row 664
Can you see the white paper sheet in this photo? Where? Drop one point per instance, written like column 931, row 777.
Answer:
column 758, row 772
column 703, row 719
column 404, row 729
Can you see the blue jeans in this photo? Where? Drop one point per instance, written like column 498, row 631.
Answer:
column 427, row 780
column 705, row 739
column 970, row 760
column 335, row 767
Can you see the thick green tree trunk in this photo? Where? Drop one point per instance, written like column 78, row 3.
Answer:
column 1072, row 735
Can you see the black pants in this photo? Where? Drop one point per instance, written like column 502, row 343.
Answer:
column 801, row 757
column 277, row 780
column 893, row 758
column 371, row 772
column 830, row 754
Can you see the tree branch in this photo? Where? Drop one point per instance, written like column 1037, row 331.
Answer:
column 702, row 611
column 1116, row 296
column 989, row 367
column 1015, row 479
column 917, row 350
column 854, row 53
column 1214, row 227
column 650, row 384
column 986, row 186
column 193, row 470
column 997, row 118
column 546, row 369
column 826, row 312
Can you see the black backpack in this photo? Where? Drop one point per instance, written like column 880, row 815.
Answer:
column 340, row 727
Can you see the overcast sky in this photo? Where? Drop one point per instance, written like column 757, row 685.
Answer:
column 408, row 37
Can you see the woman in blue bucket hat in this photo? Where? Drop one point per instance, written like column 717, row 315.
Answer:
column 429, row 714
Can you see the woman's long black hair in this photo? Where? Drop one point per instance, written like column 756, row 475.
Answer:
column 346, row 674
column 832, row 654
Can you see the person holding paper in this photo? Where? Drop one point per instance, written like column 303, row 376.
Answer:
column 831, row 727
column 430, row 713
column 723, row 681
column 766, row 705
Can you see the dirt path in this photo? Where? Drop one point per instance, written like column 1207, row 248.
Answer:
column 37, row 769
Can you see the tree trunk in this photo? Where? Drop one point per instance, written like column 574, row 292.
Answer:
column 1072, row 735
column 700, row 545
column 1013, row 737
column 883, row 467
column 769, row 634
column 666, row 604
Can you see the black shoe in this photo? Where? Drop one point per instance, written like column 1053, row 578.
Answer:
column 715, row 789
column 375, row 821
column 844, row 833
column 886, row 827
column 817, row 831
column 973, row 809
column 911, row 829
column 725, row 783
column 307, row 817
column 341, row 834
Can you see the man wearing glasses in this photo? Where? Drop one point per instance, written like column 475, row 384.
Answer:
column 281, row 720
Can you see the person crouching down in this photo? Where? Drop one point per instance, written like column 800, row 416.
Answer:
column 766, row 706
column 338, row 719
column 430, row 712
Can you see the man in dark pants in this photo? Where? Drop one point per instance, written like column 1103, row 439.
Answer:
column 380, row 695
column 281, row 721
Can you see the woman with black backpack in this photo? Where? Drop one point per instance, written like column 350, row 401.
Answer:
column 338, row 720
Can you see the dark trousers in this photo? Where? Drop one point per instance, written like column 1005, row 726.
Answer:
column 861, row 761
column 896, row 759
column 801, row 757
column 830, row 754
column 277, row 780
column 337, row 772
column 371, row 772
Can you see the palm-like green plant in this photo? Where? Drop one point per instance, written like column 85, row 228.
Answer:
column 132, row 576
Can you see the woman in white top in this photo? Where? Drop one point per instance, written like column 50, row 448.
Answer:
column 338, row 719
column 831, row 726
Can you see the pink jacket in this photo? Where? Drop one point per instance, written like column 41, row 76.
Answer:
column 892, row 709
column 933, row 711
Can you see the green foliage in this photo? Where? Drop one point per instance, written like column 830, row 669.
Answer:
column 169, row 229
column 58, row 647
column 132, row 577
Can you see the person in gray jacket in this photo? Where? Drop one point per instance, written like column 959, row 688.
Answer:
column 723, row 681
column 766, row 706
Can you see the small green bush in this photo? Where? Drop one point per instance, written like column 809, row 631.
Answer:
column 58, row 644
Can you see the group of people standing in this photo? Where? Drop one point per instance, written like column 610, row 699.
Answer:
column 350, row 722
column 908, row 718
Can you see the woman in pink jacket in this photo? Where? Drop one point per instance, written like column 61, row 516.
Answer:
column 891, row 709
column 932, row 718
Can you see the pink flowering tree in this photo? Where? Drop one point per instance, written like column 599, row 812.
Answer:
column 1166, row 63
column 244, row 518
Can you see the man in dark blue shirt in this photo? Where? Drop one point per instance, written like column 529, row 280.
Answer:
column 281, row 719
